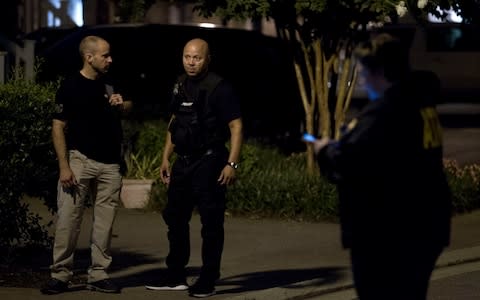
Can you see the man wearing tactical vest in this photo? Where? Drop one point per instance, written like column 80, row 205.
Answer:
column 205, row 115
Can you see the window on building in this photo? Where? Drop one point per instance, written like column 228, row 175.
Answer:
column 74, row 12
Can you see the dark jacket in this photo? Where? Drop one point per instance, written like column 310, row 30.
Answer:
column 389, row 171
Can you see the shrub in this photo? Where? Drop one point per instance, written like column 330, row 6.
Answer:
column 28, row 162
column 272, row 184
column 143, row 161
column 145, row 148
column 151, row 137
column 143, row 166
column 465, row 185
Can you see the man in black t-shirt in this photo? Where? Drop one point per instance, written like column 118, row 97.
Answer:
column 205, row 114
column 87, row 137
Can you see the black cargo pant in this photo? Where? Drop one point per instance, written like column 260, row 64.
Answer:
column 193, row 183
column 394, row 272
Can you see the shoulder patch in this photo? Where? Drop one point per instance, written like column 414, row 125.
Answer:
column 175, row 88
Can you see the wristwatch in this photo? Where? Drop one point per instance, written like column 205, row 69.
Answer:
column 233, row 164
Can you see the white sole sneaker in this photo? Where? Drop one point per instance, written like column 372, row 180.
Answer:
column 178, row 287
column 202, row 295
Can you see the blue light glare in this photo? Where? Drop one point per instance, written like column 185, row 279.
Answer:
column 373, row 95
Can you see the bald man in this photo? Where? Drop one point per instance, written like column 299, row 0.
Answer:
column 205, row 115
column 89, row 155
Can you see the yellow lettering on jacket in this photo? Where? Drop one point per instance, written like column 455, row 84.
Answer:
column 432, row 131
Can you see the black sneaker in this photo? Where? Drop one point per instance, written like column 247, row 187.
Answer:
column 104, row 286
column 54, row 286
column 169, row 283
column 202, row 288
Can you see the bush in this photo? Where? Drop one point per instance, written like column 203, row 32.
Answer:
column 143, row 166
column 28, row 162
column 465, row 185
column 272, row 184
column 151, row 137
column 143, row 160
column 145, row 148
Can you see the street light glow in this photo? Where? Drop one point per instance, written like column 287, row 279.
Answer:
column 207, row 25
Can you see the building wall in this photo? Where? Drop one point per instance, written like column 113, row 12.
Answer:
column 33, row 15
column 164, row 12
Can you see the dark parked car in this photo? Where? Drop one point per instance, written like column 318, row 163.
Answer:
column 46, row 37
column 148, row 58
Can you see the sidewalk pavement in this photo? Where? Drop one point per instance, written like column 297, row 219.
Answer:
column 263, row 259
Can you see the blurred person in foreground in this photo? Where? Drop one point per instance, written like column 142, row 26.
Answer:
column 87, row 136
column 395, row 205
column 205, row 115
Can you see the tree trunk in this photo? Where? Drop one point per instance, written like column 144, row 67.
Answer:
column 313, row 74
column 309, row 114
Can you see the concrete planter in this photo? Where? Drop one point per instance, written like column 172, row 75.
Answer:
column 135, row 193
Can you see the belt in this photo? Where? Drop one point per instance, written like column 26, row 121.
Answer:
column 195, row 156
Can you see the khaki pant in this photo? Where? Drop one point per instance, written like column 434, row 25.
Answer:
column 106, row 182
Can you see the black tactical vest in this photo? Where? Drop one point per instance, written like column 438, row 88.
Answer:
column 195, row 128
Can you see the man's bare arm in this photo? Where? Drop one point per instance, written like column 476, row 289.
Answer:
column 67, row 178
column 59, row 143
column 236, row 139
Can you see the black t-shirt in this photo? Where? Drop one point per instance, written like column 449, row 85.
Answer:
column 93, row 125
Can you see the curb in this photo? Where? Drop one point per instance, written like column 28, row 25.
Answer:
column 458, row 256
column 315, row 288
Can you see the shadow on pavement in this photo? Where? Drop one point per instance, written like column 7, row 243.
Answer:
column 248, row 282
column 264, row 280
column 122, row 262
column 240, row 283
